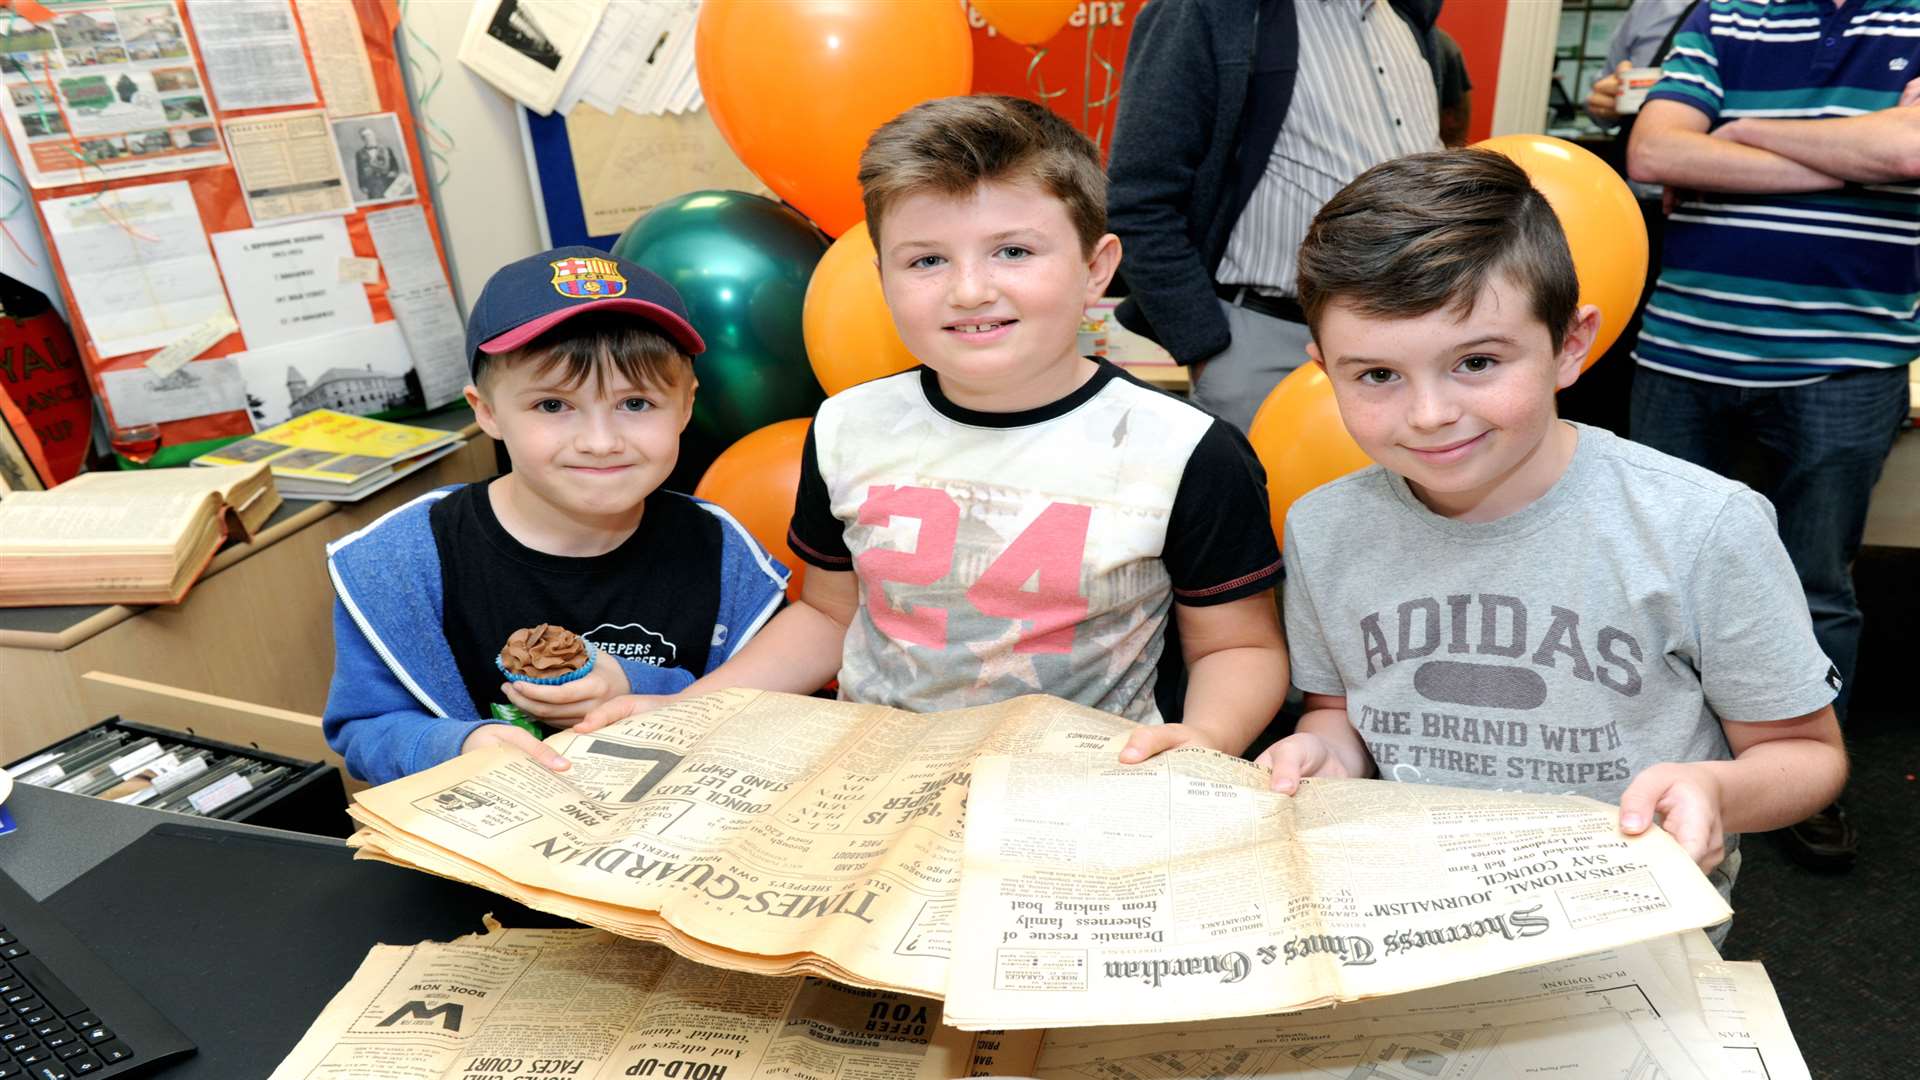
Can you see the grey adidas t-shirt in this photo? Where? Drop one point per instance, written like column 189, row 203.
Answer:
column 1607, row 627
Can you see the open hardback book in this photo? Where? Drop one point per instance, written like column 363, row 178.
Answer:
column 126, row 537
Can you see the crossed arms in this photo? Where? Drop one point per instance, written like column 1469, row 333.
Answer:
column 1671, row 145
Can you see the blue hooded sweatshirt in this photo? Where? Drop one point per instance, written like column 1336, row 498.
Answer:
column 397, row 704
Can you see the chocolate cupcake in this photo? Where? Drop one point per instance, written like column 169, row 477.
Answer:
column 546, row 654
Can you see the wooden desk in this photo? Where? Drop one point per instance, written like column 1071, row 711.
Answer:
column 257, row 627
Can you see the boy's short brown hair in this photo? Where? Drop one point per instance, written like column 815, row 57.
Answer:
column 594, row 346
column 952, row 145
column 1419, row 233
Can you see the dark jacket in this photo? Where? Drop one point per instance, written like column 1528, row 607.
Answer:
column 1205, row 92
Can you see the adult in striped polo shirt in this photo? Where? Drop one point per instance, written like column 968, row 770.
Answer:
column 1778, row 334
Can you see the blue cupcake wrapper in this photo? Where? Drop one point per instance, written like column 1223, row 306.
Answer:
column 593, row 653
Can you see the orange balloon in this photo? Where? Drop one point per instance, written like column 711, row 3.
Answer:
column 756, row 480
column 848, row 329
column 1300, row 440
column 1028, row 22
column 1602, row 221
column 796, row 86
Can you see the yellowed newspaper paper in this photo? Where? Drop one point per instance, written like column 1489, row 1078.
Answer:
column 287, row 165
column 579, row 1004
column 1096, row 893
column 765, row 832
column 339, row 57
column 783, row 835
column 627, row 164
column 1629, row 1012
column 1622, row 1013
column 1740, row 1008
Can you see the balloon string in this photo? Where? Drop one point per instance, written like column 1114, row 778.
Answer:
column 1040, row 91
column 1086, row 79
column 1107, row 97
column 19, row 201
column 439, row 139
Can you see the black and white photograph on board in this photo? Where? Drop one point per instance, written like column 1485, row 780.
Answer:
column 373, row 154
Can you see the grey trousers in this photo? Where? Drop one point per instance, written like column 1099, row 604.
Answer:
column 1233, row 384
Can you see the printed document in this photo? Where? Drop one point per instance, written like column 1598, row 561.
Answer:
column 586, row 1005
column 339, row 57
column 421, row 300
column 136, row 259
column 1184, row 889
column 285, row 281
column 780, row 834
column 252, row 51
column 527, row 49
column 104, row 91
column 287, row 166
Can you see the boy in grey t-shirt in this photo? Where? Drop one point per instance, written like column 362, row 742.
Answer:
column 1515, row 602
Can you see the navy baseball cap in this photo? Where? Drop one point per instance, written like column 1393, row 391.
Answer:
column 531, row 296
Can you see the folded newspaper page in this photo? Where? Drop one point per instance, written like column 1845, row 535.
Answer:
column 762, row 832
column 783, row 835
column 1630, row 1012
column 580, row 1004
column 1184, row 889
column 1740, row 1008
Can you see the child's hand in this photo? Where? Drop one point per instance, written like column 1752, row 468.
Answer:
column 1150, row 739
column 1687, row 798
column 1301, row 754
column 508, row 735
column 620, row 708
column 566, row 704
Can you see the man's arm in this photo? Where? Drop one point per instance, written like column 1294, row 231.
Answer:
column 798, row 651
column 1236, row 677
column 1781, row 772
column 1670, row 145
column 1873, row 148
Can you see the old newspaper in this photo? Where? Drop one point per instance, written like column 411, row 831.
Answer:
column 786, row 835
column 1668, row 1009
column 580, row 1004
column 1096, row 893
column 762, row 832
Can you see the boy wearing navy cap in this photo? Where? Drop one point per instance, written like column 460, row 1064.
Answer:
column 582, row 364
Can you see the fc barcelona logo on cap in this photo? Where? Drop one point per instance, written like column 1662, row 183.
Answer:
column 588, row 279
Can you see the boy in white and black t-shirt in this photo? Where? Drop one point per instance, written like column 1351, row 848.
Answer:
column 1014, row 518
column 1511, row 601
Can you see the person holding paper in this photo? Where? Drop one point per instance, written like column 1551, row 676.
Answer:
column 582, row 364
column 1511, row 601
column 1013, row 517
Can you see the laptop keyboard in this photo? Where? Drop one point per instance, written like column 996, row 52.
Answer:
column 47, row 1032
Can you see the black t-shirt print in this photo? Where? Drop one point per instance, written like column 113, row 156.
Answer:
column 654, row 598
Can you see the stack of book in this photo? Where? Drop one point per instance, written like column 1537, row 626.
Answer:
column 328, row 455
column 125, row 537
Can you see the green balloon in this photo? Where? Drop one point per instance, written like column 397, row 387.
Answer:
column 742, row 264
